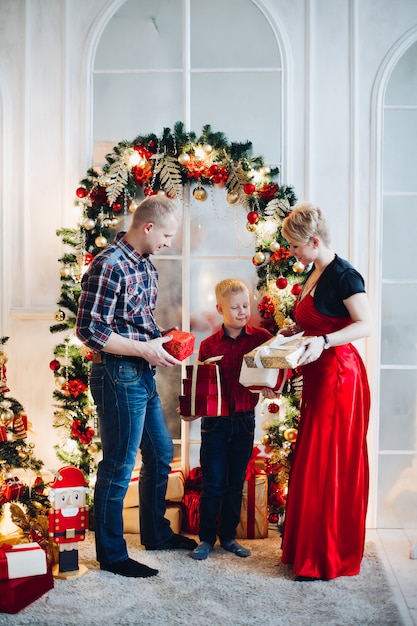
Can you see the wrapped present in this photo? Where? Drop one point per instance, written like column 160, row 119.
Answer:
column 21, row 560
column 203, row 406
column 191, row 518
column 279, row 352
column 253, row 522
column 198, row 403
column 174, row 493
column 173, row 514
column 181, row 345
column 206, row 387
column 3, row 433
column 11, row 489
column 18, row 593
column 255, row 378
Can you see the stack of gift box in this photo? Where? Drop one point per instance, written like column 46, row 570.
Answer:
column 24, row 575
column 174, row 495
column 202, row 391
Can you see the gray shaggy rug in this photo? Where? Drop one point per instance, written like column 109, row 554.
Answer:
column 223, row 590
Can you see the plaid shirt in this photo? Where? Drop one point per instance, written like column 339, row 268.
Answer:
column 239, row 398
column 119, row 292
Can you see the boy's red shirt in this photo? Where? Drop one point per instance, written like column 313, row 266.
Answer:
column 239, row 397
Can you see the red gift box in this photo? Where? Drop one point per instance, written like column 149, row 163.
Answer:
column 181, row 345
column 203, row 406
column 203, row 371
column 11, row 489
column 205, row 387
column 198, row 403
column 17, row 593
column 3, row 433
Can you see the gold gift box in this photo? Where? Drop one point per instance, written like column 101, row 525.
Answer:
column 277, row 353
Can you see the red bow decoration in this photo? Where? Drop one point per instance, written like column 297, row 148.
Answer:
column 252, row 469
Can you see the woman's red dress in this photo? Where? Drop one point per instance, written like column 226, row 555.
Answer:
column 327, row 500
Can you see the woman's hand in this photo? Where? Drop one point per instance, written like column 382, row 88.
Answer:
column 314, row 346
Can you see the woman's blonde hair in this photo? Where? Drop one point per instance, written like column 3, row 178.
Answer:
column 306, row 220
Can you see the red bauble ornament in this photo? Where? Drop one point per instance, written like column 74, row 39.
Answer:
column 117, row 207
column 148, row 191
column 253, row 217
column 54, row 365
column 281, row 282
column 296, row 289
column 273, row 407
column 273, row 518
column 81, row 192
column 249, row 188
column 88, row 257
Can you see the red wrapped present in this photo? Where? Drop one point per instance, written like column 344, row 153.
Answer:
column 181, row 345
column 21, row 560
column 17, row 593
column 191, row 518
column 198, row 403
column 3, row 433
column 11, row 489
column 205, row 387
column 253, row 522
column 203, row 406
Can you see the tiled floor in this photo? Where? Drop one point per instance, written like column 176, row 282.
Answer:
column 394, row 547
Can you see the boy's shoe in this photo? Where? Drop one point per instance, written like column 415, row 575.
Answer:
column 201, row 552
column 176, row 542
column 233, row 546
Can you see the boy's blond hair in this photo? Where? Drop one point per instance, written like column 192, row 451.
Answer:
column 229, row 286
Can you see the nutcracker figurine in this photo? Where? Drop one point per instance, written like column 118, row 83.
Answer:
column 68, row 519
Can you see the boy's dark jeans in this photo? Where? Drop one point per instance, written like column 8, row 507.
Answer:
column 226, row 447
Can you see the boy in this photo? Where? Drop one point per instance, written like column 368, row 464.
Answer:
column 227, row 441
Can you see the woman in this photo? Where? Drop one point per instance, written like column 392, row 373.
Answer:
column 324, row 531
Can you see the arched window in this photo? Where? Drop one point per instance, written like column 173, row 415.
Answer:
column 219, row 63
column 397, row 488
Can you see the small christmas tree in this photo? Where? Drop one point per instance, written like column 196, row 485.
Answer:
column 280, row 280
column 16, row 453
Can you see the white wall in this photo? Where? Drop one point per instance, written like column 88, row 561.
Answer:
column 334, row 51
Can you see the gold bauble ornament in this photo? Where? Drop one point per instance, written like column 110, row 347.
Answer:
column 92, row 448
column 291, row 435
column 88, row 224
column 232, row 197
column 259, row 258
column 60, row 382
column 207, row 148
column 200, row 194
column 184, row 158
column 250, row 227
column 265, row 425
column 100, row 241
column 114, row 222
column 107, row 222
column 3, row 358
column 133, row 206
column 59, row 315
column 298, row 267
column 6, row 416
column 274, row 247
column 65, row 271
column 89, row 409
column 265, row 440
column 160, row 192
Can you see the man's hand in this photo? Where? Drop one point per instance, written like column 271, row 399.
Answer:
column 154, row 352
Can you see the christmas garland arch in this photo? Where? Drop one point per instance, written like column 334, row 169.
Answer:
column 177, row 163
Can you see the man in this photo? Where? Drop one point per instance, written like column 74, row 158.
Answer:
column 116, row 320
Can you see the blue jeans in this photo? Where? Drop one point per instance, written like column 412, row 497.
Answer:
column 226, row 447
column 130, row 416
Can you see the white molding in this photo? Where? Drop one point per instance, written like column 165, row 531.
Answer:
column 375, row 237
column 5, row 203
